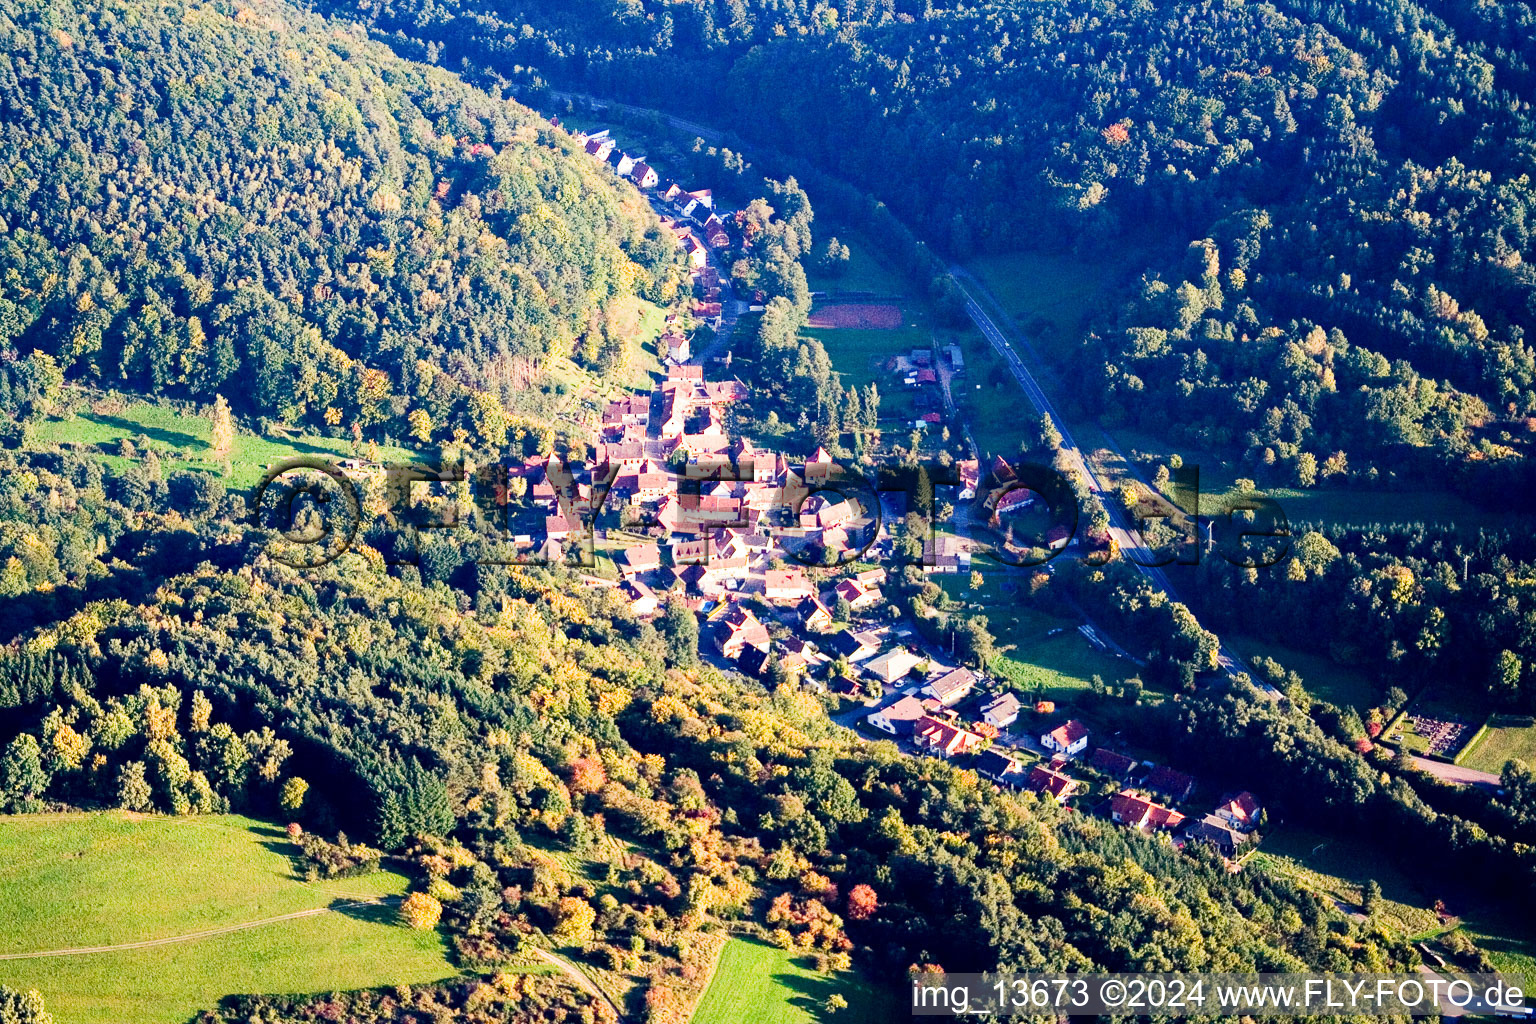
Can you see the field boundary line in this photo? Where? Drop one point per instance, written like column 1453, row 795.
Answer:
column 206, row 933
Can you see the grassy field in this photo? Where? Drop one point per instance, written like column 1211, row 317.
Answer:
column 182, row 441
column 864, row 272
column 1324, row 678
column 1048, row 667
column 1051, row 295
column 69, row 881
column 1329, row 506
column 761, row 984
column 1337, row 868
column 1509, row 737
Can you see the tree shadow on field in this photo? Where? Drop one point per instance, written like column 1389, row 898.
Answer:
column 810, row 992
column 131, row 428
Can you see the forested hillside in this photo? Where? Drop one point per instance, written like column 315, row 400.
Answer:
column 244, row 198
column 514, row 713
column 1354, row 180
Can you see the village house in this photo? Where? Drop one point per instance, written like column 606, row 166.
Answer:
column 643, row 175
column 642, row 599
column 858, row 595
column 813, row 615
column 556, row 528
column 947, row 553
column 785, row 586
column 1173, row 784
column 1067, row 739
column 1002, row 711
column 856, row 647
column 899, row 718
column 1242, row 811
column 1116, row 766
column 675, row 347
column 944, row 739
column 638, row 559
column 737, row 629
column 1046, row 782
column 1001, row 769
column 970, row 477
column 871, row 577
column 1012, row 501
column 1218, row 832
column 1142, row 814
column 952, row 687
column 892, row 665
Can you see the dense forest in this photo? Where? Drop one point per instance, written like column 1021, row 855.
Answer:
column 466, row 725
column 197, row 199
column 1354, row 182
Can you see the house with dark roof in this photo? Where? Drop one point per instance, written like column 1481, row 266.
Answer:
column 737, row 629
column 853, row 646
column 1115, row 765
column 1047, row 782
column 1173, row 784
column 1000, row 768
column 1218, row 832
column 813, row 614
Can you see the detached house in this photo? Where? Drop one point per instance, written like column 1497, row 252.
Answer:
column 952, row 687
column 1112, row 764
column 858, row 595
column 643, row 174
column 1046, row 782
column 782, row 586
column 641, row 558
column 1002, row 711
column 944, row 739
column 1067, row 739
column 1218, row 833
column 737, row 629
column 900, row 718
column 642, row 599
column 1242, row 811
column 1173, row 784
column 1142, row 814
column 813, row 614
column 892, row 665
column 1001, row 769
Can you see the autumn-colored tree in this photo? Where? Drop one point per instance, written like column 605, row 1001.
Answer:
column 421, row 911
column 862, row 902
column 587, row 775
column 421, row 425
column 222, row 433
column 573, row 919
column 201, row 712
column 295, row 830
column 294, row 791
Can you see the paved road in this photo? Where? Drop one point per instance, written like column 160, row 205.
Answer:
column 1008, row 345
column 1456, row 773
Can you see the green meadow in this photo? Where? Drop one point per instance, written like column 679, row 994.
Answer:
column 755, row 983
column 108, row 879
column 1508, row 738
column 181, row 440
